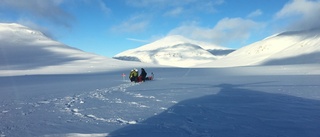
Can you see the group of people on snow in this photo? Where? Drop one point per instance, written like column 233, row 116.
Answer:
column 135, row 77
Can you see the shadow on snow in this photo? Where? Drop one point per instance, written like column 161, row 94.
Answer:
column 311, row 58
column 21, row 57
column 234, row 111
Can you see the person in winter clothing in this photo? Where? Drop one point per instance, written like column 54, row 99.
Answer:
column 143, row 74
column 133, row 75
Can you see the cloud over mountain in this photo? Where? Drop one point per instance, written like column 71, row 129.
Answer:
column 49, row 10
column 225, row 31
column 300, row 14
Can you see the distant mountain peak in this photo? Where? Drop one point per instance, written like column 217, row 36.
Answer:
column 15, row 30
column 301, row 33
column 173, row 50
column 178, row 39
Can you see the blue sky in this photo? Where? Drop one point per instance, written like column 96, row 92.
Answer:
column 108, row 27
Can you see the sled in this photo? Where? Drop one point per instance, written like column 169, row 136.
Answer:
column 150, row 77
column 147, row 78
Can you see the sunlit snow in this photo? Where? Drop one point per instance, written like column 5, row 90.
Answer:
column 52, row 90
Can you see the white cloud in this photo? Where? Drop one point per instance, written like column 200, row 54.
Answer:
column 104, row 7
column 225, row 31
column 170, row 3
column 156, row 3
column 48, row 10
column 219, row 2
column 255, row 13
column 175, row 12
column 207, row 6
column 138, row 40
column 175, row 7
column 135, row 24
column 300, row 14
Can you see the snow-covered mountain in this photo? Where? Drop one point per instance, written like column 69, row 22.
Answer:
column 175, row 50
column 26, row 51
column 288, row 48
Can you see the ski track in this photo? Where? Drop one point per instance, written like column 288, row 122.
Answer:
column 83, row 106
column 110, row 96
column 73, row 104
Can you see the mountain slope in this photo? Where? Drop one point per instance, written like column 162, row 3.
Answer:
column 175, row 50
column 299, row 47
column 26, row 51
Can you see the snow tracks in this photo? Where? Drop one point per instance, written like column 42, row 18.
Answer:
column 104, row 109
column 112, row 105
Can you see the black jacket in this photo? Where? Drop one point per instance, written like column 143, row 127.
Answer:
column 143, row 73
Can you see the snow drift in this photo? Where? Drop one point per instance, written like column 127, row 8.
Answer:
column 288, row 48
column 175, row 50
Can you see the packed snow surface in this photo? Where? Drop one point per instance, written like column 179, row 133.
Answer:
column 252, row 101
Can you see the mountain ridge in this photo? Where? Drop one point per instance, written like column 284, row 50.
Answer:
column 175, row 50
column 27, row 51
column 287, row 48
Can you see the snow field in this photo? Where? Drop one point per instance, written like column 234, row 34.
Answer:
column 180, row 102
